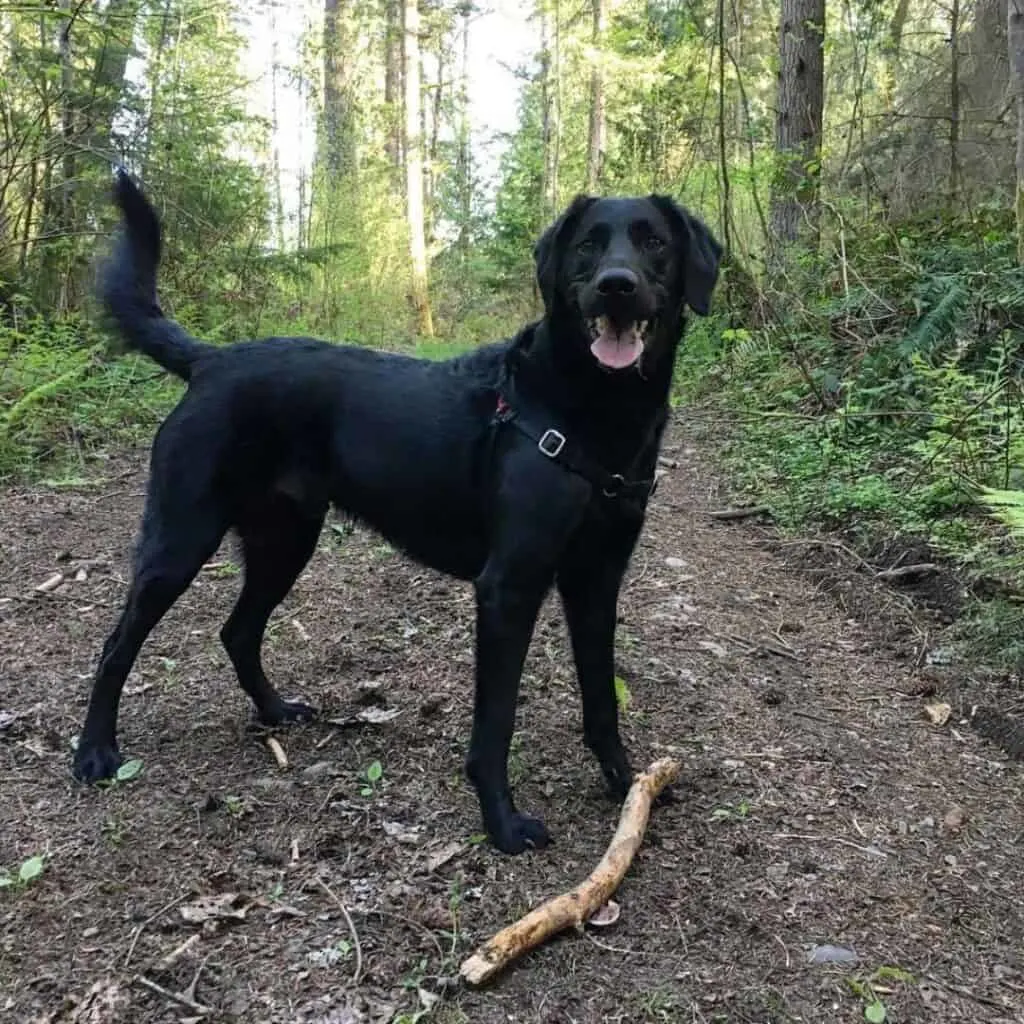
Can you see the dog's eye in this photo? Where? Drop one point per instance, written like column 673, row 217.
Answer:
column 587, row 247
column 652, row 243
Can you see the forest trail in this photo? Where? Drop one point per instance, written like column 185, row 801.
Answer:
column 819, row 805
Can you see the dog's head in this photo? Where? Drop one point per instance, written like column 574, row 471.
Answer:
column 617, row 274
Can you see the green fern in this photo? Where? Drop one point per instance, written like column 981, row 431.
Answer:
column 1007, row 507
column 939, row 324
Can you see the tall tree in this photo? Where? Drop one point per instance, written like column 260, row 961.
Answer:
column 798, row 122
column 954, row 102
column 393, row 79
column 414, row 168
column 1015, row 38
column 464, row 165
column 597, row 126
column 891, row 55
column 339, row 148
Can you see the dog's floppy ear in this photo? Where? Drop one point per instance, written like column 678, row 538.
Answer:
column 550, row 245
column 699, row 251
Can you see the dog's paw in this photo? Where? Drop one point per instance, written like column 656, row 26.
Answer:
column 519, row 832
column 618, row 776
column 96, row 762
column 287, row 712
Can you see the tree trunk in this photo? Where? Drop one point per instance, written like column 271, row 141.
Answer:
column 338, row 144
column 546, row 115
column 597, row 128
column 393, row 80
column 954, row 104
column 67, row 119
column 723, row 156
column 277, row 191
column 414, row 168
column 801, row 88
column 464, row 166
column 891, row 56
column 109, row 75
column 1015, row 38
column 154, row 70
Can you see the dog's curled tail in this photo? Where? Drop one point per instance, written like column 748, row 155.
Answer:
column 128, row 286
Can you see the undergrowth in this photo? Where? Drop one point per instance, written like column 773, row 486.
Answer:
column 882, row 399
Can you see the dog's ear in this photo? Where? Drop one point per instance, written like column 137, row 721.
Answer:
column 699, row 251
column 550, row 246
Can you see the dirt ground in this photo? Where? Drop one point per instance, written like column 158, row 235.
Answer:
column 832, row 852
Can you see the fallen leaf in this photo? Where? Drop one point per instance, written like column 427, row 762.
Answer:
column 372, row 715
column 213, row 908
column 605, row 916
column 428, row 999
column 409, row 834
column 442, row 856
column 938, row 714
column 955, row 819
column 104, row 1003
column 377, row 715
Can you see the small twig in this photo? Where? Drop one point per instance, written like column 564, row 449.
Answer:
column 729, row 514
column 145, row 924
column 357, row 975
column 274, row 746
column 872, row 851
column 174, row 997
column 811, row 716
column 668, row 463
column 50, row 583
column 178, row 952
column 903, row 571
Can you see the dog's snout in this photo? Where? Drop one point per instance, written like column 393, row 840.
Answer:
column 617, row 282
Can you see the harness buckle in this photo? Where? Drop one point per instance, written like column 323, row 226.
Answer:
column 551, row 443
column 613, row 487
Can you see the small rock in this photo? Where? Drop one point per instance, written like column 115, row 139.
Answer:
column 675, row 563
column 828, row 954
column 319, row 769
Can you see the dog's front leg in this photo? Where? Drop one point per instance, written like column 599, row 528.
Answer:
column 590, row 593
column 506, row 613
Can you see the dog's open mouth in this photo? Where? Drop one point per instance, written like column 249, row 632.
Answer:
column 617, row 347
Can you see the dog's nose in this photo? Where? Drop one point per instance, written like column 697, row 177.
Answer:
column 617, row 282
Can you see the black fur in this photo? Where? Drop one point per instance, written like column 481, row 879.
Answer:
column 272, row 433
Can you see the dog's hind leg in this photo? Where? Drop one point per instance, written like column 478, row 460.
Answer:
column 277, row 542
column 176, row 539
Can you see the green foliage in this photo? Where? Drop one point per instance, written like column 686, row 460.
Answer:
column 29, row 871
column 887, row 408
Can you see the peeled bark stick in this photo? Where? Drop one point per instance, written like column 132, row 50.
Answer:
column 572, row 908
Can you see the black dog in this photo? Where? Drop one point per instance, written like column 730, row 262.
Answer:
column 525, row 463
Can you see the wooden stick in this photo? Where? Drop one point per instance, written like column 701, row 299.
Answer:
column 748, row 512
column 571, row 909
column 274, row 746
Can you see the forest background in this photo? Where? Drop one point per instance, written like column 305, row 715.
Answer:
column 378, row 173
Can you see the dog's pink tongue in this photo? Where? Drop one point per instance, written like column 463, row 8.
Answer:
column 617, row 350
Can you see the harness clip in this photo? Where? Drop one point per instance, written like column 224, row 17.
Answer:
column 551, row 443
column 613, row 488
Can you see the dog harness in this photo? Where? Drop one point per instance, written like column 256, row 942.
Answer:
column 556, row 445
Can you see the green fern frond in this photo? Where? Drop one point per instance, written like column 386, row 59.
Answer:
column 939, row 324
column 1005, row 506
